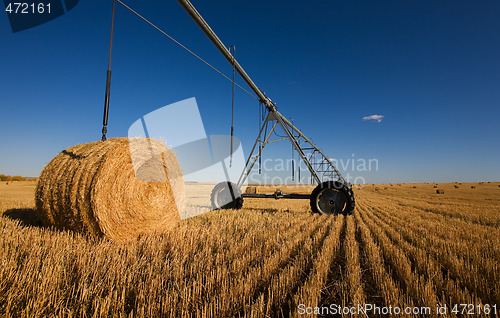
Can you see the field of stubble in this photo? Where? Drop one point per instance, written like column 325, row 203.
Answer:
column 405, row 246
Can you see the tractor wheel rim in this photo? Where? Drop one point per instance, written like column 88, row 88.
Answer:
column 223, row 197
column 331, row 201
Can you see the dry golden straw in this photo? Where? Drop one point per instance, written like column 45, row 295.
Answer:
column 251, row 190
column 118, row 188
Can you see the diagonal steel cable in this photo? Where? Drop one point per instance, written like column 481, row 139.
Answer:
column 184, row 47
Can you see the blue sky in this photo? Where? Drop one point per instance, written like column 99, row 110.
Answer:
column 431, row 68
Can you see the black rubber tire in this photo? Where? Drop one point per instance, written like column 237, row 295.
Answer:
column 340, row 200
column 223, row 189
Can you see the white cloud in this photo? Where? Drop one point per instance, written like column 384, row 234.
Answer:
column 378, row 118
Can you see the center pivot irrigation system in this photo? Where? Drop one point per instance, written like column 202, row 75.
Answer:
column 332, row 195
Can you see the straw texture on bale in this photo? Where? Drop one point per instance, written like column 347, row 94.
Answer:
column 98, row 189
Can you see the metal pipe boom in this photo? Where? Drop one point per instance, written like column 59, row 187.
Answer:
column 196, row 16
column 274, row 114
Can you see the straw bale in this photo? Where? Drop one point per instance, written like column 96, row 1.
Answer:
column 97, row 189
column 251, row 190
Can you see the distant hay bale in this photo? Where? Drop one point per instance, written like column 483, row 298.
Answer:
column 472, row 187
column 439, row 191
column 251, row 190
column 414, row 187
column 97, row 188
column 456, row 187
column 435, row 186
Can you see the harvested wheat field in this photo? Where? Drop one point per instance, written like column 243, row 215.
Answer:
column 405, row 248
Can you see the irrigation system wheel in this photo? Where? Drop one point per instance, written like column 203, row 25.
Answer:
column 332, row 197
column 226, row 195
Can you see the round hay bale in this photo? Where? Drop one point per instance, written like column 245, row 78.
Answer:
column 472, row 187
column 456, row 187
column 439, row 191
column 251, row 190
column 118, row 188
